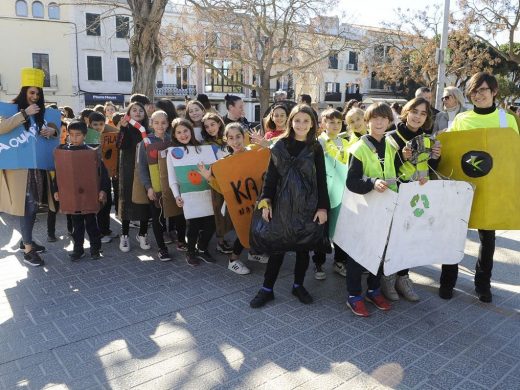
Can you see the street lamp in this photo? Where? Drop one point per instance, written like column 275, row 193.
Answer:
column 441, row 56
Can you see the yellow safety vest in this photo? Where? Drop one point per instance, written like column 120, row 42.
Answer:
column 409, row 171
column 335, row 151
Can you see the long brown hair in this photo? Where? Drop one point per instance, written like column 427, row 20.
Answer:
column 416, row 103
column 186, row 123
column 289, row 131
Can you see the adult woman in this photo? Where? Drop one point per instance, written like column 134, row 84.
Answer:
column 235, row 111
column 481, row 89
column 453, row 102
column 21, row 190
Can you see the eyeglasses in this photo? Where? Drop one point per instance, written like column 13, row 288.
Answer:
column 480, row 91
column 444, row 98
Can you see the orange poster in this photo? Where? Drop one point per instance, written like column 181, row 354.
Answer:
column 109, row 152
column 241, row 178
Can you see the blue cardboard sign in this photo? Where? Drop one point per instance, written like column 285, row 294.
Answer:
column 26, row 149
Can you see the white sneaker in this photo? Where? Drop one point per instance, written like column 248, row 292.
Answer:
column 106, row 239
column 124, row 244
column 143, row 241
column 260, row 258
column 238, row 267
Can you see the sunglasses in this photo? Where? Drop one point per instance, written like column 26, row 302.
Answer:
column 445, row 97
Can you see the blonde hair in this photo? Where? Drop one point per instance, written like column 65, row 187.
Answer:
column 353, row 112
column 158, row 113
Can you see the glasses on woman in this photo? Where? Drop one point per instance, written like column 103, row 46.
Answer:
column 444, row 98
column 480, row 91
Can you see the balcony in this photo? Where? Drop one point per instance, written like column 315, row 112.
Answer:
column 174, row 90
column 333, row 96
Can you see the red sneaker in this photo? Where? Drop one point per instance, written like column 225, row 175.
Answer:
column 357, row 305
column 378, row 300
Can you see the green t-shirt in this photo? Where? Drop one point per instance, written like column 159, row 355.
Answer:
column 471, row 120
column 93, row 137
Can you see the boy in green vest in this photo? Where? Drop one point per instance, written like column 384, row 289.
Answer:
column 372, row 166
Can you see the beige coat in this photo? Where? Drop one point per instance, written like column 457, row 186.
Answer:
column 13, row 182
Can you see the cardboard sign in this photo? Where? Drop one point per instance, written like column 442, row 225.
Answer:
column 487, row 158
column 77, row 175
column 152, row 154
column 194, row 188
column 240, row 178
column 26, row 149
column 170, row 207
column 110, row 152
column 429, row 225
column 363, row 225
column 336, row 184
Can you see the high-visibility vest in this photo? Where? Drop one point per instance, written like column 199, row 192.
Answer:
column 409, row 171
column 337, row 152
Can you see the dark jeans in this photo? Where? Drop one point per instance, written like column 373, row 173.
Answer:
column 275, row 262
column 178, row 223
column 125, row 227
column 354, row 274
column 158, row 225
column 483, row 267
column 28, row 219
column 80, row 222
column 103, row 216
column 199, row 232
column 51, row 222
column 237, row 247
column 339, row 256
column 115, row 188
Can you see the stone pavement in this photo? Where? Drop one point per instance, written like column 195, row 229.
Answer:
column 130, row 321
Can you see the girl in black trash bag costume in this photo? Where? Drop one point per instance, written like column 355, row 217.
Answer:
column 294, row 204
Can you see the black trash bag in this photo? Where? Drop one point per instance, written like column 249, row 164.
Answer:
column 294, row 206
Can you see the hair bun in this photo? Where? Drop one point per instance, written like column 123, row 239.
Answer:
column 226, row 97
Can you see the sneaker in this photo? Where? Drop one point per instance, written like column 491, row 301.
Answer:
column 135, row 224
column 388, row 287
column 164, row 255
column 340, row 268
column 35, row 247
column 261, row 298
column 51, row 238
column 357, row 305
column 192, row 259
column 484, row 294
column 223, row 247
column 76, row 256
column 378, row 300
column 95, row 254
column 106, row 239
column 260, row 258
column 445, row 292
column 319, row 274
column 143, row 241
column 238, row 267
column 124, row 243
column 167, row 238
column 33, row 259
column 404, row 286
column 206, row 256
column 303, row 296
column 182, row 247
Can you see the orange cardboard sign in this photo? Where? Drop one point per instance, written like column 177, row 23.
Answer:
column 241, row 177
column 109, row 152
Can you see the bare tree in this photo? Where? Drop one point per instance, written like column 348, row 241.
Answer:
column 144, row 51
column 259, row 40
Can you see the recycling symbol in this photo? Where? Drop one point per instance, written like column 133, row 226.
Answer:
column 419, row 208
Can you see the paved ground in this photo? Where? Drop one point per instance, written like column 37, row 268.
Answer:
column 131, row 321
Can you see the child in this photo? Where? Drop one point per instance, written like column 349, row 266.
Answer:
column 336, row 148
column 96, row 126
column 116, row 120
column 128, row 138
column 77, row 131
column 276, row 122
column 194, row 113
column 199, row 230
column 109, row 110
column 160, row 125
column 298, row 145
column 371, row 167
column 83, row 115
column 356, row 126
column 213, row 134
column 416, row 116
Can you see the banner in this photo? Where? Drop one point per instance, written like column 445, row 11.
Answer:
column 22, row 149
column 429, row 225
column 169, row 205
column 194, row 189
column 109, row 152
column 240, row 178
column 487, row 158
column 336, row 184
column 77, row 175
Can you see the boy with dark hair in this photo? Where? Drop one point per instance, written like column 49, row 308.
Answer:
column 83, row 115
column 77, row 131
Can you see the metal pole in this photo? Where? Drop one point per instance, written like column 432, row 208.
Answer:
column 441, row 53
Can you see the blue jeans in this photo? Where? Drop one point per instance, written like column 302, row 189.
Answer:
column 27, row 221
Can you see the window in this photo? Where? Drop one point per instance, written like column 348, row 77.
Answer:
column 21, row 8
column 92, row 24
column 41, row 61
column 352, row 61
column 216, row 83
column 124, row 71
column 122, row 26
column 182, row 77
column 332, row 87
column 54, row 11
column 94, row 68
column 333, row 61
column 37, row 9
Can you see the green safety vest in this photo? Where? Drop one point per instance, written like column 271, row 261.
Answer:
column 366, row 152
column 339, row 153
column 409, row 171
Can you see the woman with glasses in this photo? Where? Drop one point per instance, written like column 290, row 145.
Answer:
column 481, row 89
column 453, row 102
